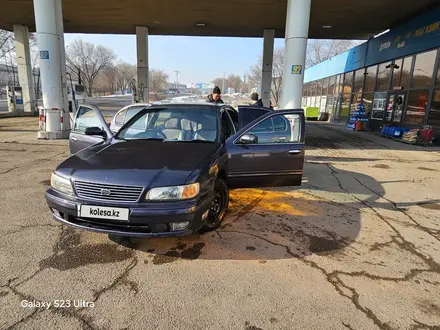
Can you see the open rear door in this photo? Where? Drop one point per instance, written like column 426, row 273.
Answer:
column 247, row 114
column 268, row 152
column 87, row 116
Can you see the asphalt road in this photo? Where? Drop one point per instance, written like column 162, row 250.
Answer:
column 356, row 247
column 108, row 105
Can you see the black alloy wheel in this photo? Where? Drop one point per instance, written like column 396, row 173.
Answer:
column 219, row 206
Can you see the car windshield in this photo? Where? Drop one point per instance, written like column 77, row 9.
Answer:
column 173, row 124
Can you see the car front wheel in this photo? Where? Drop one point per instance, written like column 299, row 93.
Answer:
column 219, row 206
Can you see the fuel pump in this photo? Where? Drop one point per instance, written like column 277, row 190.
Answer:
column 15, row 98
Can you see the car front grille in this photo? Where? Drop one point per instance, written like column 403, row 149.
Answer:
column 108, row 192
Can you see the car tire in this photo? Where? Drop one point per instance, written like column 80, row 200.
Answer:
column 219, row 206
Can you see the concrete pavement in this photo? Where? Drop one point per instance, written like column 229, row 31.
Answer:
column 356, row 247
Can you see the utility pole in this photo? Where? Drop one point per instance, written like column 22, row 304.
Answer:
column 244, row 82
column 177, row 77
column 223, row 89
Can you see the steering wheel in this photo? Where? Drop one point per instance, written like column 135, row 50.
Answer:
column 154, row 133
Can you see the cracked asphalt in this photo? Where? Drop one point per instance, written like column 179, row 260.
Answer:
column 356, row 247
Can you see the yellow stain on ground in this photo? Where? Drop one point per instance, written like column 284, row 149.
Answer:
column 271, row 201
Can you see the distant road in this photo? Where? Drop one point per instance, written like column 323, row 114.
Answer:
column 108, row 105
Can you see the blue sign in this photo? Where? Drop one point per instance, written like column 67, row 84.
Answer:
column 421, row 33
column 297, row 69
column 44, row 54
column 18, row 101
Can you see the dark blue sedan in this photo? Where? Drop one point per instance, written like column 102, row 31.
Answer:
column 169, row 169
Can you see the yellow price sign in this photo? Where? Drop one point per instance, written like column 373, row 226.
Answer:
column 297, row 69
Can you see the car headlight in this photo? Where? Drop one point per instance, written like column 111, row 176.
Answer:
column 178, row 192
column 61, row 184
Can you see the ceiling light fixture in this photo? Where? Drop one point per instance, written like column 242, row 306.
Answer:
column 200, row 24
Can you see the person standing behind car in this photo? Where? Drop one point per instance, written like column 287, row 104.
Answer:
column 258, row 101
column 215, row 97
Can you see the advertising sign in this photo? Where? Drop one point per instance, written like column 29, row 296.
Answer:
column 297, row 69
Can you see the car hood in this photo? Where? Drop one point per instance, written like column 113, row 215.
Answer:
column 141, row 163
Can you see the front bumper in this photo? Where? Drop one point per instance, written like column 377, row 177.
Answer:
column 145, row 219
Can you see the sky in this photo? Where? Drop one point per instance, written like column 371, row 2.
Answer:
column 199, row 59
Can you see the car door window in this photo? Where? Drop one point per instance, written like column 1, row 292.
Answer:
column 119, row 119
column 131, row 112
column 248, row 114
column 86, row 117
column 277, row 129
column 234, row 117
column 227, row 126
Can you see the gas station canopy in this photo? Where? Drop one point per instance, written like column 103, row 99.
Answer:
column 330, row 19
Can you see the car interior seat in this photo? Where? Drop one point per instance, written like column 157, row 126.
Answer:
column 207, row 130
column 190, row 128
column 173, row 130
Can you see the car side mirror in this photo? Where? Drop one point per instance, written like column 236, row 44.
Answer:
column 95, row 131
column 248, row 139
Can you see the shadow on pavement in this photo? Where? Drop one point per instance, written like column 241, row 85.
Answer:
column 322, row 135
column 268, row 224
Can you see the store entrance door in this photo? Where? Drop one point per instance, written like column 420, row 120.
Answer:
column 395, row 107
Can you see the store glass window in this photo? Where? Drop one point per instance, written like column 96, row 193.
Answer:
column 415, row 112
column 367, row 99
column 356, row 98
column 423, row 69
column 313, row 88
column 437, row 83
column 332, row 85
column 359, row 81
column 378, row 108
column 406, row 72
column 348, row 82
column 397, row 73
column 331, row 100
column 325, row 86
column 318, row 101
column 309, row 89
column 339, row 82
column 370, row 78
column 345, row 108
column 434, row 112
column 319, row 87
column 383, row 77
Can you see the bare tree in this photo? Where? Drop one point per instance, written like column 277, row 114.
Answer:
column 234, row 81
column 110, row 74
column 321, row 50
column 7, row 44
column 125, row 73
column 158, row 80
column 277, row 74
column 89, row 59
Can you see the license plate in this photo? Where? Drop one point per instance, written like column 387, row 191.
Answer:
column 101, row 212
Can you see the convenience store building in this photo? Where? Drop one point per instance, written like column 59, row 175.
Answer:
column 394, row 77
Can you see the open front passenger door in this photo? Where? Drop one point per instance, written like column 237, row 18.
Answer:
column 268, row 152
column 89, row 128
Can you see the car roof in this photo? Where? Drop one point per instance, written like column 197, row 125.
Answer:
column 186, row 104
